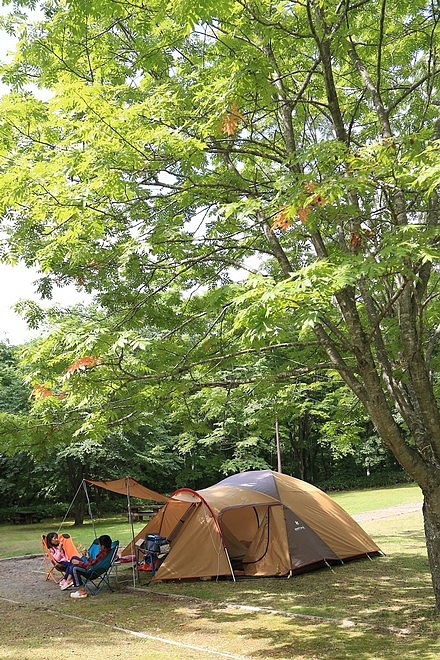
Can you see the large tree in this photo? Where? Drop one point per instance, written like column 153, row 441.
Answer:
column 182, row 144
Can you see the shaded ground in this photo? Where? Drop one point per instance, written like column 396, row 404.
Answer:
column 269, row 620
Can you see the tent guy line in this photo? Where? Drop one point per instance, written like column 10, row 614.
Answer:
column 134, row 633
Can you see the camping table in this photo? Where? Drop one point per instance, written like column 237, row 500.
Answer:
column 26, row 517
column 138, row 512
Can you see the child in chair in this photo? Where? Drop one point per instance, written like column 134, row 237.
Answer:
column 54, row 545
column 78, row 566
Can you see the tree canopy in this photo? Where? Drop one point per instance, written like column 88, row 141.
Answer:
column 250, row 192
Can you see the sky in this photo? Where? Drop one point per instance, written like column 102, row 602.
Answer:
column 17, row 282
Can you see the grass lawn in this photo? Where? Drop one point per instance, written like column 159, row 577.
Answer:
column 17, row 540
column 378, row 498
column 367, row 610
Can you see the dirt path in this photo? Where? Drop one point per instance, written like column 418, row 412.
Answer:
column 23, row 580
column 389, row 512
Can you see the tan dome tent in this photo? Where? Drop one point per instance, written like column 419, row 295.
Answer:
column 259, row 523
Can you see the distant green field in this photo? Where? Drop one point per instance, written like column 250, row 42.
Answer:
column 16, row 540
column 378, row 498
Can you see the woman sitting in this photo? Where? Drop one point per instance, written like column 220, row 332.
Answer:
column 79, row 566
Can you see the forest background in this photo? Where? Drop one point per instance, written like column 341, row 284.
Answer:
column 173, row 451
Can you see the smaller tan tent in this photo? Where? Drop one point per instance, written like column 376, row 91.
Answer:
column 259, row 523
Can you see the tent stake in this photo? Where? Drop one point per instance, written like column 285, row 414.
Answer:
column 328, row 565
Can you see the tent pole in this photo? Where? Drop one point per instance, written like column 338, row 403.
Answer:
column 89, row 507
column 277, row 438
column 229, row 562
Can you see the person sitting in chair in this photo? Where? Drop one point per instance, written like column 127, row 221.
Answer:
column 79, row 566
column 55, row 548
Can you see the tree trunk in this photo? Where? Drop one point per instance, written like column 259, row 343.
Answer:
column 79, row 511
column 75, row 474
column 431, row 517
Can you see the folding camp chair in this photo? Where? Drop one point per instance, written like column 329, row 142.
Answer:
column 93, row 551
column 51, row 564
column 98, row 574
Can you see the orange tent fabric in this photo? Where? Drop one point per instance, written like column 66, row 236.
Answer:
column 258, row 523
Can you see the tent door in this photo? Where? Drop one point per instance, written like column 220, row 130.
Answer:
column 268, row 554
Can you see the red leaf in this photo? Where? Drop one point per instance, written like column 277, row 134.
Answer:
column 355, row 240
column 303, row 213
column 82, row 363
column 231, row 119
column 281, row 220
column 40, row 392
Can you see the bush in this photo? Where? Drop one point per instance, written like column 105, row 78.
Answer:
column 46, row 510
column 340, row 482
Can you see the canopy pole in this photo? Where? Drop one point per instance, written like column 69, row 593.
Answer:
column 133, row 547
column 89, row 507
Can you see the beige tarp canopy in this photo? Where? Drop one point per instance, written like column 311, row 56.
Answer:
column 130, row 487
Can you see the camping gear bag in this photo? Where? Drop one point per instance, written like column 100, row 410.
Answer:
column 156, row 543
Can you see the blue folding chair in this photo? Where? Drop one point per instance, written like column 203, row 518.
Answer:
column 92, row 551
column 98, row 575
